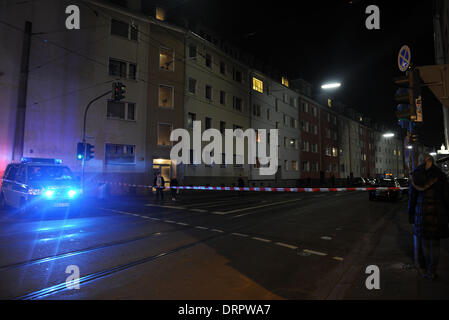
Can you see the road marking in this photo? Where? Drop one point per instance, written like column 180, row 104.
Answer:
column 218, row 212
column 317, row 253
column 326, row 238
column 202, row 228
column 167, row 207
column 182, row 224
column 169, row 221
column 240, row 235
column 216, row 230
column 286, row 245
column 256, row 207
column 261, row 239
column 155, row 219
column 338, row 258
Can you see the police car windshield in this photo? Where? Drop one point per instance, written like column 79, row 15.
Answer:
column 52, row 173
column 387, row 183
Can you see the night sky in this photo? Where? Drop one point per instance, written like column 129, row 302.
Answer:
column 327, row 40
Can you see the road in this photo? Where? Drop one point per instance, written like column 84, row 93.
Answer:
column 215, row 245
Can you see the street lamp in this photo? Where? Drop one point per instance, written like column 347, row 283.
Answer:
column 388, row 135
column 332, row 85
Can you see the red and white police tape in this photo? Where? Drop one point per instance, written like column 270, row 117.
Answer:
column 263, row 189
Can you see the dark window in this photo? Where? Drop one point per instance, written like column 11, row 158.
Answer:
column 117, row 68
column 132, row 71
column 119, row 28
column 208, row 92
column 134, row 32
column 222, row 67
column 222, row 97
column 208, row 123
column 222, row 127
column 238, row 76
column 192, row 51
column 237, row 103
column 120, row 154
column 121, row 110
column 131, row 111
column 190, row 118
column 192, row 85
column 208, row 60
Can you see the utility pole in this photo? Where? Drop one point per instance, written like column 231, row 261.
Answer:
column 22, row 97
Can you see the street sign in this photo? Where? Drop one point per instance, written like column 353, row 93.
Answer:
column 404, row 58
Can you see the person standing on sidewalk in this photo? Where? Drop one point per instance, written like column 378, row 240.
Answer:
column 428, row 210
column 173, row 188
column 240, row 184
column 159, row 184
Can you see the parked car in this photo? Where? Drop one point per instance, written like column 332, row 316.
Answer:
column 39, row 184
column 386, row 193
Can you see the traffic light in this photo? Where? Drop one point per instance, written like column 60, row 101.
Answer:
column 90, row 152
column 118, row 91
column 408, row 93
column 80, row 151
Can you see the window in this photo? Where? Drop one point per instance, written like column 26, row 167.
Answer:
column 293, row 143
column 305, row 166
column 222, row 127
column 328, row 117
column 285, row 142
column 315, row 129
column 305, row 146
column 315, row 148
column 192, row 51
column 256, row 110
column 285, row 165
column 163, row 134
column 285, row 97
column 132, row 71
column 120, row 154
column 208, row 123
column 305, row 107
column 222, row 67
column 315, row 112
column 328, row 152
column 160, row 14
column 334, row 120
column 190, row 118
column 222, row 97
column 334, row 152
column 285, row 81
column 124, row 29
column 237, row 104
column 276, row 105
column 208, row 60
column 166, row 59
column 335, row 136
column 285, row 120
column 294, row 165
column 165, row 96
column 237, row 76
column 257, row 85
column 192, row 85
column 305, row 126
column 117, row 68
column 121, row 110
column 268, row 114
column 315, row 167
column 208, row 92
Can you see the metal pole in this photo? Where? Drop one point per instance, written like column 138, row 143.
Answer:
column 84, row 135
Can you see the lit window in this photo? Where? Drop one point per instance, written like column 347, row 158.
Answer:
column 285, row 81
column 166, row 59
column 258, row 85
column 121, row 110
column 334, row 152
column 329, row 103
column 294, row 165
column 163, row 134
column 165, row 96
column 160, row 14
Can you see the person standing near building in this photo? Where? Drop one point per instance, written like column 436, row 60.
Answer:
column 159, row 184
column 428, row 210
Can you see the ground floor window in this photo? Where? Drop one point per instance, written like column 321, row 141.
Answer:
column 120, row 154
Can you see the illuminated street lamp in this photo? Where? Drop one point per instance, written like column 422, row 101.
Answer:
column 388, row 135
column 332, row 85
column 410, row 147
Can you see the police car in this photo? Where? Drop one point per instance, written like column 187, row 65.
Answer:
column 37, row 183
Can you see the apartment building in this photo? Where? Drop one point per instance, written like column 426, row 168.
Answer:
column 217, row 94
column 389, row 155
column 68, row 69
column 275, row 106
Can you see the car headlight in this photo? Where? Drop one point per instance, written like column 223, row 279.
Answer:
column 72, row 193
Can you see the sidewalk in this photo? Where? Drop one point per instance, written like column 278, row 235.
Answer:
column 398, row 279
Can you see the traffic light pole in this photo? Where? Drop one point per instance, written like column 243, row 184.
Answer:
column 84, row 135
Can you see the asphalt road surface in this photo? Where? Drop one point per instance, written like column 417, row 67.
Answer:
column 214, row 245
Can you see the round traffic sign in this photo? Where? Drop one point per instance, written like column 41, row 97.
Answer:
column 404, row 58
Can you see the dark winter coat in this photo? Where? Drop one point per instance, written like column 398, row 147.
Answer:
column 428, row 205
